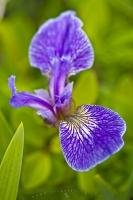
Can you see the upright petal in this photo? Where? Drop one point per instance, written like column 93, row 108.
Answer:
column 66, row 95
column 61, row 40
column 35, row 100
column 63, row 102
column 90, row 136
column 57, row 81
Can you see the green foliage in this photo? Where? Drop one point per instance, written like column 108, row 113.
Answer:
column 86, row 181
column 55, row 145
column 10, row 167
column 45, row 174
column 5, row 134
column 86, row 88
column 36, row 169
column 105, row 190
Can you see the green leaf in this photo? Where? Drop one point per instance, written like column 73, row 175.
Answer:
column 86, row 89
column 37, row 167
column 10, row 167
column 86, row 181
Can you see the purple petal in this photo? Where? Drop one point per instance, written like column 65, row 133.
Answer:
column 57, row 82
column 36, row 101
column 41, row 93
column 61, row 40
column 11, row 84
column 90, row 136
column 64, row 100
column 66, row 95
column 47, row 115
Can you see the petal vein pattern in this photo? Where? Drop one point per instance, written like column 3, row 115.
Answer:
column 61, row 41
column 90, row 136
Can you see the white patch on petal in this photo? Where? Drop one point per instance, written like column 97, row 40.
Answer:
column 80, row 124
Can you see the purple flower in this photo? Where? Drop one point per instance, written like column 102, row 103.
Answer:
column 92, row 133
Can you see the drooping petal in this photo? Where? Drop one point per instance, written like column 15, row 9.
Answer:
column 36, row 100
column 61, row 40
column 90, row 136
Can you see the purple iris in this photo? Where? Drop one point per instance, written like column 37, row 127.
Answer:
column 91, row 133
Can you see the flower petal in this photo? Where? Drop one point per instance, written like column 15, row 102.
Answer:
column 48, row 116
column 64, row 100
column 61, row 40
column 57, row 82
column 36, row 101
column 90, row 136
column 41, row 93
column 66, row 95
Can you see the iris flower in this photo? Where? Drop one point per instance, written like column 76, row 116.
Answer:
column 89, row 134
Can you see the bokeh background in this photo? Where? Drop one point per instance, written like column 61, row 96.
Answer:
column 45, row 174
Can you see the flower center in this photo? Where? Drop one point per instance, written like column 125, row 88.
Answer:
column 63, row 112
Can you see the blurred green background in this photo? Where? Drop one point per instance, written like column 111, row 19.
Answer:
column 45, row 174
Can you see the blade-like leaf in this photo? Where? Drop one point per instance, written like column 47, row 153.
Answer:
column 10, row 167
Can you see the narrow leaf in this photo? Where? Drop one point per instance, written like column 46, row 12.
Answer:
column 10, row 167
